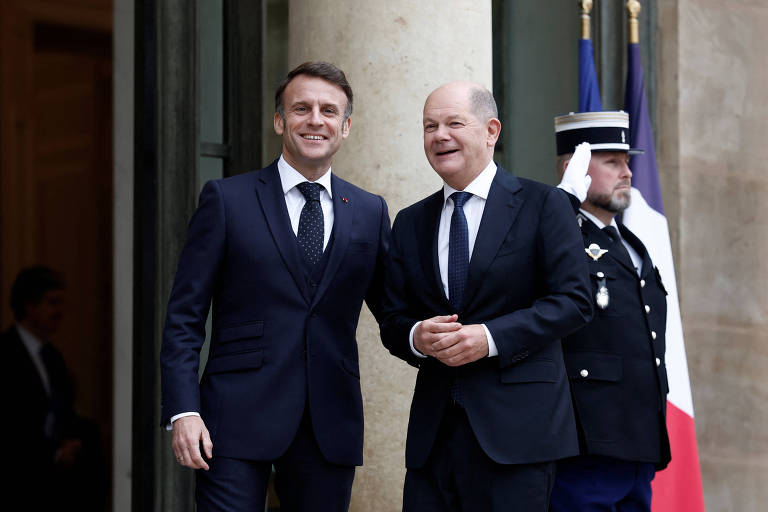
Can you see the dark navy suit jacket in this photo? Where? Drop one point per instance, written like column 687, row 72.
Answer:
column 278, row 340
column 527, row 283
column 616, row 363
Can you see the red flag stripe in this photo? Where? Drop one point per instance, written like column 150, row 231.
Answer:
column 678, row 488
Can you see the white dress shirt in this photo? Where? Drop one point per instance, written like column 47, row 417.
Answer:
column 637, row 261
column 33, row 346
column 473, row 211
column 294, row 202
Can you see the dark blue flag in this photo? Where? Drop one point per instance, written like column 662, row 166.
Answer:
column 589, row 92
column 645, row 175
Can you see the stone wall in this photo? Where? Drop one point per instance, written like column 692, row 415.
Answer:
column 713, row 160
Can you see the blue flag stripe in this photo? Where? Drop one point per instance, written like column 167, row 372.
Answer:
column 589, row 91
column 645, row 175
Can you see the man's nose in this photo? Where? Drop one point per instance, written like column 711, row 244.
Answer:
column 315, row 117
column 626, row 172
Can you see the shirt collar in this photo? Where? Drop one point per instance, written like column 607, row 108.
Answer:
column 290, row 177
column 480, row 186
column 597, row 221
column 30, row 341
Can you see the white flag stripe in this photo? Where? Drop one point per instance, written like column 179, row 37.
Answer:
column 652, row 228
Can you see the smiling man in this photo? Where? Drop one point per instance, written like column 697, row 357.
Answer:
column 616, row 363
column 284, row 256
column 486, row 277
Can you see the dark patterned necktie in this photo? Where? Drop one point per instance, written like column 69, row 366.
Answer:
column 458, row 251
column 613, row 234
column 310, row 232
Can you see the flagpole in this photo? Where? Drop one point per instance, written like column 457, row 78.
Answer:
column 586, row 22
column 634, row 8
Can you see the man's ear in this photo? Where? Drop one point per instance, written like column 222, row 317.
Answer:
column 493, row 131
column 345, row 125
column 279, row 123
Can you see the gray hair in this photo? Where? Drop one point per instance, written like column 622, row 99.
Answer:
column 482, row 103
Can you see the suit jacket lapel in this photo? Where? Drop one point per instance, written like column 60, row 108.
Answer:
column 501, row 210
column 433, row 207
column 639, row 248
column 343, row 213
column 271, row 198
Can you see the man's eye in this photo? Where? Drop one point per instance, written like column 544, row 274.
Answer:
column 429, row 127
column 300, row 109
column 456, row 124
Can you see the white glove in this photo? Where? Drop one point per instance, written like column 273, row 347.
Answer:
column 575, row 180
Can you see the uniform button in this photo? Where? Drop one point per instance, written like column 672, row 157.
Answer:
column 642, row 283
column 658, row 362
column 600, row 275
column 584, row 373
column 647, row 308
column 653, row 334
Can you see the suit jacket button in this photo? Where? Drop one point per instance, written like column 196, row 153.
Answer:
column 642, row 283
column 653, row 335
column 584, row 373
column 658, row 362
column 647, row 308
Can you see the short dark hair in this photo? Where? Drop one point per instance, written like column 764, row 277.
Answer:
column 30, row 285
column 319, row 69
column 483, row 104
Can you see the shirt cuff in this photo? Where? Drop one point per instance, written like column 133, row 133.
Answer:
column 169, row 426
column 492, row 349
column 410, row 341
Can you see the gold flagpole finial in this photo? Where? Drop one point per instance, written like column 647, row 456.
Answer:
column 633, row 8
column 586, row 23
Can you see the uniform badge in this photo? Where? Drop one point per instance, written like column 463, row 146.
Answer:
column 594, row 251
column 602, row 299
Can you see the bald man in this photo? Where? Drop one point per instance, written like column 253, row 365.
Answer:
column 486, row 277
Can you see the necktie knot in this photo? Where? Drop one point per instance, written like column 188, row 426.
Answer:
column 311, row 191
column 612, row 233
column 459, row 198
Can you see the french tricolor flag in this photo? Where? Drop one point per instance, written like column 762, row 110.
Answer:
column 677, row 488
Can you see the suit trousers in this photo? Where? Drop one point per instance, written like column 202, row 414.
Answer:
column 593, row 483
column 459, row 476
column 304, row 480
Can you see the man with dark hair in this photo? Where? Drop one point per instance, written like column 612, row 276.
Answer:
column 57, row 461
column 285, row 257
column 616, row 362
column 486, row 277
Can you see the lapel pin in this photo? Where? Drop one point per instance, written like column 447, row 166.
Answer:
column 345, row 199
column 594, row 251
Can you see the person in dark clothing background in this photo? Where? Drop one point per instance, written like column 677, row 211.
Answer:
column 55, row 455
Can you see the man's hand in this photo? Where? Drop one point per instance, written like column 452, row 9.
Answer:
column 466, row 345
column 575, row 179
column 188, row 432
column 430, row 331
column 67, row 452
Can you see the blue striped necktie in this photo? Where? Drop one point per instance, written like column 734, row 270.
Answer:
column 458, row 251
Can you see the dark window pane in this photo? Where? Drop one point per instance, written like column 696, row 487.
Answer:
column 211, row 16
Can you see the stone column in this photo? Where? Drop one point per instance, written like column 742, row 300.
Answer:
column 393, row 53
column 712, row 114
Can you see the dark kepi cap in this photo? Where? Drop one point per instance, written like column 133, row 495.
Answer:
column 605, row 131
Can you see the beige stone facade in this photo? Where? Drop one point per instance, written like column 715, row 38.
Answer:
column 712, row 120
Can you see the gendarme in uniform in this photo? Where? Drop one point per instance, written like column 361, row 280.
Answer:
column 616, row 362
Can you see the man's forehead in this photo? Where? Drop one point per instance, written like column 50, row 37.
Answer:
column 305, row 87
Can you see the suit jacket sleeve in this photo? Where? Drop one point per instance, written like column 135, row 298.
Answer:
column 374, row 297
column 397, row 321
column 566, row 305
column 189, row 303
